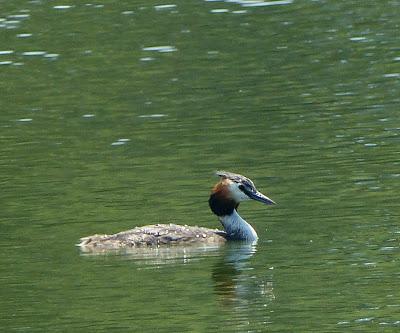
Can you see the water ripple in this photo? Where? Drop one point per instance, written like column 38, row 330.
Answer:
column 357, row 39
column 24, row 35
column 161, row 49
column 165, row 7
column 147, row 59
column 120, row 142
column 33, row 53
column 255, row 3
column 18, row 16
column 265, row 3
column 62, row 7
column 392, row 75
column 156, row 115
column 51, row 55
column 221, row 10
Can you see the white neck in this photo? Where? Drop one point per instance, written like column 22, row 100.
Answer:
column 237, row 228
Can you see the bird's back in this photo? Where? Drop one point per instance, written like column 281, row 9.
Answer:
column 154, row 235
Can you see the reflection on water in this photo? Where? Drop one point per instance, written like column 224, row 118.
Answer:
column 242, row 291
column 234, row 277
column 161, row 49
column 153, row 256
column 256, row 3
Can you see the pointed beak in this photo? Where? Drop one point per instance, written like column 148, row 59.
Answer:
column 258, row 196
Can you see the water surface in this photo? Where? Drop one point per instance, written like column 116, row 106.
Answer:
column 115, row 114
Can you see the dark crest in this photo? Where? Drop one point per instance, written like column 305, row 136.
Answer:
column 248, row 185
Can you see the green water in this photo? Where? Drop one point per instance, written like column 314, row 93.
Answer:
column 301, row 97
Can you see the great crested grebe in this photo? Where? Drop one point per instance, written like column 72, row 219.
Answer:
column 224, row 201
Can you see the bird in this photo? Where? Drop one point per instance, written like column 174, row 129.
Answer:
column 224, row 200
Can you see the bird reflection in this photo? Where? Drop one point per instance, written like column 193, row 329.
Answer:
column 159, row 256
column 227, row 272
column 241, row 289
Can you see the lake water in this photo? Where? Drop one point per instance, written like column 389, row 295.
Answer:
column 115, row 114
